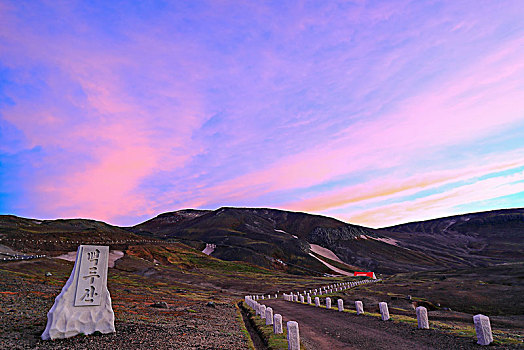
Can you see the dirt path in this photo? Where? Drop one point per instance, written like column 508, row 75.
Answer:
column 330, row 329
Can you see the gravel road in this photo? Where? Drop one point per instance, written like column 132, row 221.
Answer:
column 330, row 329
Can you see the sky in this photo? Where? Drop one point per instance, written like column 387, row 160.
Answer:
column 373, row 112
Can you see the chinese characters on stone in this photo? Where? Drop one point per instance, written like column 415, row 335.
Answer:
column 90, row 277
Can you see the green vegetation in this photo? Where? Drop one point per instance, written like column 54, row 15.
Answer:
column 240, row 321
column 271, row 340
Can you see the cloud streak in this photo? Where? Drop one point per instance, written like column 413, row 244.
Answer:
column 121, row 112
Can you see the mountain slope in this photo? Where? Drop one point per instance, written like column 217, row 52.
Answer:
column 265, row 236
column 58, row 236
column 280, row 240
column 477, row 239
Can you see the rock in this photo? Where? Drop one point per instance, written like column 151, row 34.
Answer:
column 211, row 304
column 428, row 305
column 160, row 305
column 325, row 236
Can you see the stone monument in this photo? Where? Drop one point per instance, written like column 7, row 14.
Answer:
column 84, row 304
column 384, row 312
column 262, row 311
column 277, row 324
column 269, row 316
column 359, row 307
column 483, row 329
column 293, row 337
column 422, row 317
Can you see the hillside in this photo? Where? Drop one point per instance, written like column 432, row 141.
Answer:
column 477, row 239
column 280, row 240
column 59, row 236
column 266, row 236
column 155, row 269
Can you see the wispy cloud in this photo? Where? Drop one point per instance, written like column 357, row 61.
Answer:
column 120, row 112
column 440, row 204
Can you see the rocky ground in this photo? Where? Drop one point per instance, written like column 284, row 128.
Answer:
column 201, row 294
column 205, row 321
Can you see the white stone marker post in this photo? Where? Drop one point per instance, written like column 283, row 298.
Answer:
column 317, row 302
column 422, row 317
column 340, row 303
column 269, row 316
column 301, row 298
column 293, row 338
column 309, row 299
column 277, row 324
column 384, row 312
column 328, row 303
column 359, row 307
column 483, row 329
column 84, row 304
column 262, row 311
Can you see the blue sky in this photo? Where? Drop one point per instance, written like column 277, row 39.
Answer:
column 375, row 112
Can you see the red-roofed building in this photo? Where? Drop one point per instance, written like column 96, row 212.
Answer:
column 368, row 274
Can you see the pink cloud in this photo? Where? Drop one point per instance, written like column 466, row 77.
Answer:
column 121, row 110
column 113, row 138
column 439, row 204
column 454, row 113
column 392, row 186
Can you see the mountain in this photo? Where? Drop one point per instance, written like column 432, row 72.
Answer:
column 58, row 236
column 476, row 239
column 266, row 237
column 287, row 241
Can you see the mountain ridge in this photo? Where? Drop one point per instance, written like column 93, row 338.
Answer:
column 280, row 239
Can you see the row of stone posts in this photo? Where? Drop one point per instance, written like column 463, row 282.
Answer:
column 262, row 297
column 296, row 296
column 482, row 323
column 293, row 336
